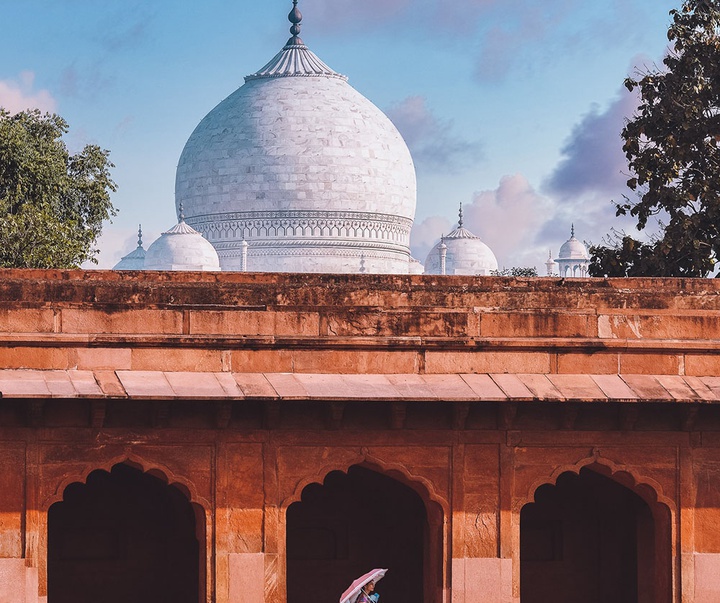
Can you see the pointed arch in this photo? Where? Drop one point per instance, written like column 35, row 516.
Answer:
column 96, row 506
column 647, row 488
column 159, row 470
column 657, row 530
column 423, row 486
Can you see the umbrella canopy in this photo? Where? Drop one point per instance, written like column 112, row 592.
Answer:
column 353, row 590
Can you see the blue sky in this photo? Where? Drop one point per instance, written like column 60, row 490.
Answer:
column 511, row 107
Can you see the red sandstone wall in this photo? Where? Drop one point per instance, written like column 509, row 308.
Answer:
column 479, row 477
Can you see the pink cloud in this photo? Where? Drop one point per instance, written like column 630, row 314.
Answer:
column 508, row 218
column 18, row 95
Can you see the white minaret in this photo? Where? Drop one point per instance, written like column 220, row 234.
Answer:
column 243, row 259
column 550, row 264
column 443, row 254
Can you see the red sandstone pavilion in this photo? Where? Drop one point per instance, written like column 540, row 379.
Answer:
column 263, row 438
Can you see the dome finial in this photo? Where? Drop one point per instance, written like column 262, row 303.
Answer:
column 295, row 17
column 460, row 221
column 572, row 230
column 139, row 236
column 181, row 214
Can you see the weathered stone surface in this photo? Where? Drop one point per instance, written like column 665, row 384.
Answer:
column 246, row 391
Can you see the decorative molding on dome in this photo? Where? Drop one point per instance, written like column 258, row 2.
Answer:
column 314, row 243
column 341, row 251
column 321, row 226
column 295, row 60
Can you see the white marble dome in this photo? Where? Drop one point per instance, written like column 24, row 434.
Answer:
column 572, row 249
column 464, row 254
column 181, row 248
column 304, row 168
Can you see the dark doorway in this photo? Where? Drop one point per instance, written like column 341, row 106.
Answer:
column 590, row 539
column 123, row 536
column 351, row 524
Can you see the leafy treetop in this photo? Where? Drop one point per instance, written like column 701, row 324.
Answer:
column 52, row 203
column 672, row 148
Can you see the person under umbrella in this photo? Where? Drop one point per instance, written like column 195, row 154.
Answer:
column 368, row 594
column 362, row 590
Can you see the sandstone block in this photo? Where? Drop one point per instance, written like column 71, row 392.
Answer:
column 487, row 362
column 141, row 320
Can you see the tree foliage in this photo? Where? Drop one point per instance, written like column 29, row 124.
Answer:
column 515, row 271
column 52, row 203
column 672, row 148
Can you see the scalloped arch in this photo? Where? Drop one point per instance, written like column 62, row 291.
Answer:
column 639, row 484
column 136, row 461
column 424, row 487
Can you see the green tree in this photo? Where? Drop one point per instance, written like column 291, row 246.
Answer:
column 515, row 271
column 671, row 145
column 52, row 203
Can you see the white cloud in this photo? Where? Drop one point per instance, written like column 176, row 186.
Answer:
column 18, row 95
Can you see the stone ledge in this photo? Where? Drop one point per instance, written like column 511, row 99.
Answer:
column 468, row 344
column 506, row 387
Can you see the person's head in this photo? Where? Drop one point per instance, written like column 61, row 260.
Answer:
column 370, row 586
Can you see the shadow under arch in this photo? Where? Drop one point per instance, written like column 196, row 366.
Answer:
column 125, row 533
column 596, row 532
column 350, row 521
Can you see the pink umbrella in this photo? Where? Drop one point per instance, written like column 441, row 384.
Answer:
column 353, row 591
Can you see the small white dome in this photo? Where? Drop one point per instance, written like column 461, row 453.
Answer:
column 466, row 254
column 573, row 259
column 181, row 248
column 135, row 260
column 572, row 249
column 415, row 267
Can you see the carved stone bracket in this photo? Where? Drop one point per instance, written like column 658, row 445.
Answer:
column 35, row 413
column 223, row 414
column 160, row 413
column 629, row 416
column 569, row 416
column 507, row 411
column 334, row 417
column 271, row 414
column 689, row 417
column 461, row 410
column 398, row 413
column 98, row 410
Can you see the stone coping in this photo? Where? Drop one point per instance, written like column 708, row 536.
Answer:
column 505, row 387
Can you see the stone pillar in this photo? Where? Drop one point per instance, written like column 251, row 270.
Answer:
column 482, row 569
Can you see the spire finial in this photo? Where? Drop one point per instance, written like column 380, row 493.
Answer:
column 572, row 230
column 295, row 17
column 181, row 214
column 139, row 235
column 460, row 221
